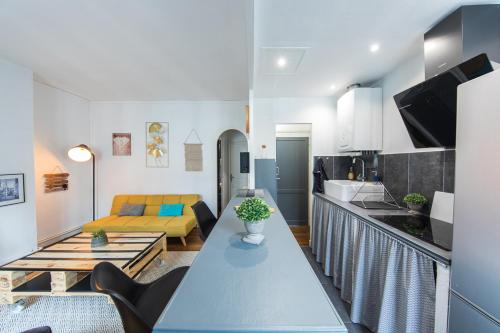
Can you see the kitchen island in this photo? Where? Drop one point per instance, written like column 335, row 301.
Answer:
column 380, row 269
column 237, row 287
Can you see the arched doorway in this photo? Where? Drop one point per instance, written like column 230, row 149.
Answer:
column 230, row 179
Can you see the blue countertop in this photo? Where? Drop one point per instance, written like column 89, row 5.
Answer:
column 237, row 287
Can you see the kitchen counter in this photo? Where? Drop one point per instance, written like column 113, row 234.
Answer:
column 432, row 251
column 237, row 287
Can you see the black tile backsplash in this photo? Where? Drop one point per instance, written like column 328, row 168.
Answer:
column 396, row 175
column 341, row 166
column 374, row 165
column 449, row 171
column 424, row 172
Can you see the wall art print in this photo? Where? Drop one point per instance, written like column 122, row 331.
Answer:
column 11, row 189
column 122, row 144
column 157, row 145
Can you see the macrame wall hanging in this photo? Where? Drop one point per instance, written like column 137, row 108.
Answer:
column 193, row 152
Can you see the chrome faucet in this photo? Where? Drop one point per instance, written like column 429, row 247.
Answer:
column 354, row 159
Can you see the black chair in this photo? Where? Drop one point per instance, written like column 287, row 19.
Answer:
column 44, row 329
column 140, row 305
column 205, row 219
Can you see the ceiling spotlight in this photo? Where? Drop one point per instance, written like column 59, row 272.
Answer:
column 332, row 87
column 281, row 62
column 374, row 48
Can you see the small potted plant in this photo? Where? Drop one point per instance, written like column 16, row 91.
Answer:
column 415, row 202
column 99, row 238
column 253, row 212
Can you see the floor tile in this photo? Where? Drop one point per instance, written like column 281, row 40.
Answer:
column 356, row 328
column 343, row 308
column 337, row 302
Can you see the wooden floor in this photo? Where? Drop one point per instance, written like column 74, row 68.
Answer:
column 194, row 241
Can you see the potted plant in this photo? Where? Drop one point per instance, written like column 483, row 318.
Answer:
column 99, row 238
column 253, row 212
column 415, row 201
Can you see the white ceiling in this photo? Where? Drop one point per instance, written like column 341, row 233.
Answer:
column 131, row 49
column 338, row 35
column 205, row 49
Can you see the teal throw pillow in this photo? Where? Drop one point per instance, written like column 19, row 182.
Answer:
column 171, row 210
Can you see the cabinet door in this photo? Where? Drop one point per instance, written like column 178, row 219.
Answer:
column 345, row 121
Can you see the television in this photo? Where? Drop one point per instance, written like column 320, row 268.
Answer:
column 429, row 109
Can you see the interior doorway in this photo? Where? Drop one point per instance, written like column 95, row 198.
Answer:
column 292, row 171
column 230, row 179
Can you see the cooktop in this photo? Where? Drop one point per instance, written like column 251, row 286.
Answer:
column 433, row 231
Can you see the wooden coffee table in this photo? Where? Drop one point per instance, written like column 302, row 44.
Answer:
column 63, row 269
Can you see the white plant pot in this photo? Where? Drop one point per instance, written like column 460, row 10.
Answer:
column 254, row 230
column 415, row 208
column 255, row 227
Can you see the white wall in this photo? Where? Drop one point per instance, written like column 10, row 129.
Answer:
column 407, row 74
column 17, row 222
column 120, row 174
column 269, row 112
column 319, row 112
column 62, row 120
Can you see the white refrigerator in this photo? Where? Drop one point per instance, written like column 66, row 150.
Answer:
column 475, row 267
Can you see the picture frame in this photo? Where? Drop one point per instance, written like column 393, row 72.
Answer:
column 12, row 189
column 122, row 144
column 157, row 144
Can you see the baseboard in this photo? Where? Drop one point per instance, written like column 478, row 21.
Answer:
column 56, row 238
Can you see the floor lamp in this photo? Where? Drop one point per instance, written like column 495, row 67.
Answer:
column 82, row 153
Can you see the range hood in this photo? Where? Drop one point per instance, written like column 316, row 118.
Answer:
column 462, row 35
column 457, row 49
column 429, row 108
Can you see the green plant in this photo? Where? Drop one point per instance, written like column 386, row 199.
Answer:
column 101, row 233
column 415, row 198
column 253, row 210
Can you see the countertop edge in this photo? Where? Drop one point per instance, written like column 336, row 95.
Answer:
column 434, row 252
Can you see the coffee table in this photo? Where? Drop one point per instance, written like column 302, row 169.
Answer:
column 63, row 268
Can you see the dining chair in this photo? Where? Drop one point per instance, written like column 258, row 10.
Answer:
column 204, row 218
column 140, row 305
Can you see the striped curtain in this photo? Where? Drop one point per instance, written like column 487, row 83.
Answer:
column 389, row 284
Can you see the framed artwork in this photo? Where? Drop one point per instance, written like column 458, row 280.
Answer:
column 11, row 189
column 122, row 144
column 157, row 145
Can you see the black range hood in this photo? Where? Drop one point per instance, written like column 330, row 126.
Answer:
column 429, row 108
column 451, row 48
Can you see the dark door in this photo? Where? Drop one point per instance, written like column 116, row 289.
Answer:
column 292, row 160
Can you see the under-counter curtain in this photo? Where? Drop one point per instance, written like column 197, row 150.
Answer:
column 390, row 285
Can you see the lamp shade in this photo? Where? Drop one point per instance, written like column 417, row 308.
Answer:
column 80, row 153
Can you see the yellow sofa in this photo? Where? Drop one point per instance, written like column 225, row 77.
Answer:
column 178, row 226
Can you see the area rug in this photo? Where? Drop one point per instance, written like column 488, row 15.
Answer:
column 82, row 314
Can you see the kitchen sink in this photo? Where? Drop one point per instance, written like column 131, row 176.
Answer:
column 345, row 190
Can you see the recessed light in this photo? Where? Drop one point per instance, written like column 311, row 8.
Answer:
column 332, row 87
column 281, row 62
column 374, row 47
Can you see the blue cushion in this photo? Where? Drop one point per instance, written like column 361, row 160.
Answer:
column 171, row 210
